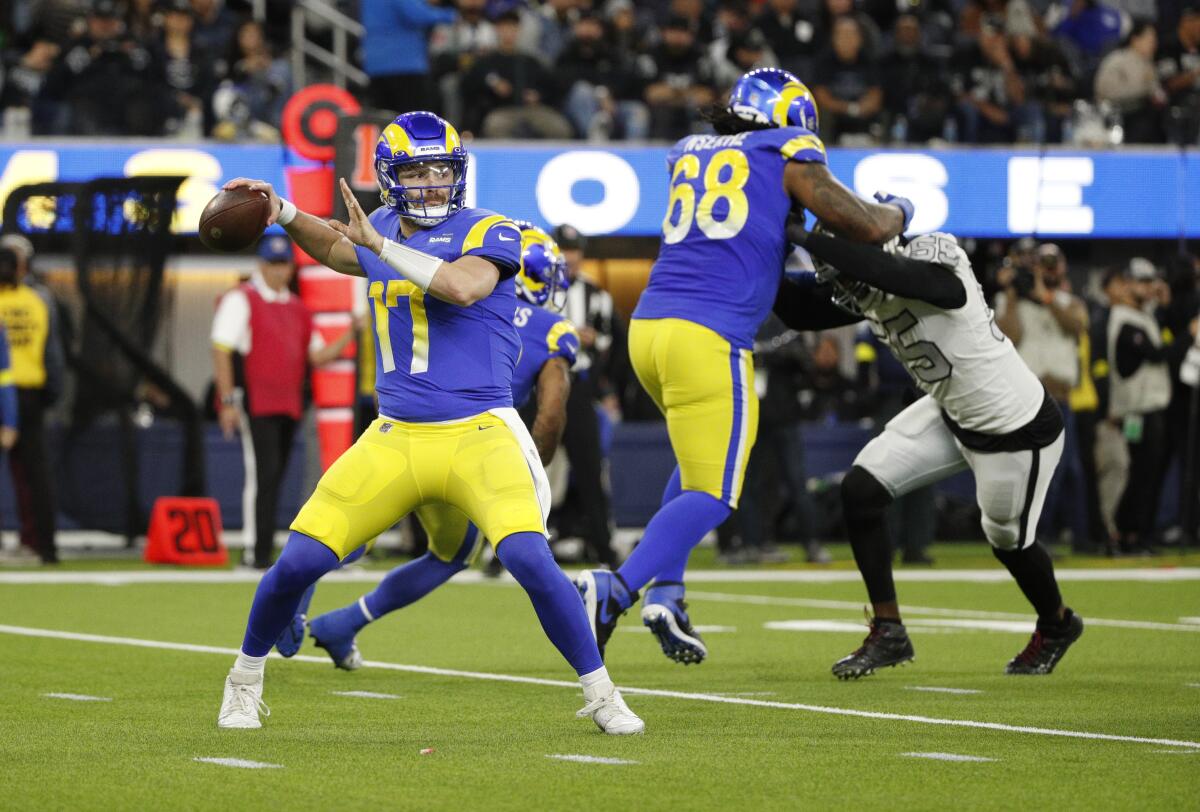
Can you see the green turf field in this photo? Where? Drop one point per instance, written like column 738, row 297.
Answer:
column 760, row 725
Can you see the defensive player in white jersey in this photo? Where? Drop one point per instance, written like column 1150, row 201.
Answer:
column 984, row 410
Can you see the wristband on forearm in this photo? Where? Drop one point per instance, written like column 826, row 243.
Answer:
column 415, row 266
column 287, row 212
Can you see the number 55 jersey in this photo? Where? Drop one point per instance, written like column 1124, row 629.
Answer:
column 958, row 356
column 723, row 245
column 436, row 361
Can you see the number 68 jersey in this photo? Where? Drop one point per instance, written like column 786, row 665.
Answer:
column 959, row 356
column 723, row 245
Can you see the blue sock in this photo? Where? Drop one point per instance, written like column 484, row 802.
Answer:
column 407, row 584
column 555, row 599
column 674, row 488
column 302, row 562
column 669, row 538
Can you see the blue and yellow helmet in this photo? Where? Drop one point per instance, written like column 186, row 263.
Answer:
column 776, row 97
column 418, row 138
column 543, row 275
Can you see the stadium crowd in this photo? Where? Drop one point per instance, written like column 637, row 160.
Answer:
column 1093, row 72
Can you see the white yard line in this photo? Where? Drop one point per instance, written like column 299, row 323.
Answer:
column 935, row 689
column 909, row 611
column 695, row 697
column 701, row 629
column 947, row 757
column 589, row 759
column 239, row 762
column 364, row 695
column 78, row 697
column 355, row 574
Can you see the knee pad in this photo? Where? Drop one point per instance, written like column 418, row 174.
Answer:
column 1002, row 534
column 863, row 496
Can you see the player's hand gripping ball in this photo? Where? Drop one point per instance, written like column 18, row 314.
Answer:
column 235, row 218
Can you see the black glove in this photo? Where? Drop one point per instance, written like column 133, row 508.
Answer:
column 796, row 231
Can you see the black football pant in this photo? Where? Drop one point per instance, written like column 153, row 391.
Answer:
column 29, row 462
column 588, row 494
column 271, row 437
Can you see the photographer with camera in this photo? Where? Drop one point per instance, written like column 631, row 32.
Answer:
column 1045, row 321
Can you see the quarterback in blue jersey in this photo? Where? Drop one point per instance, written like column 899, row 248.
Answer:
column 549, row 345
column 718, row 270
column 439, row 278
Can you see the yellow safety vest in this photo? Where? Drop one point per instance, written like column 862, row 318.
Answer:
column 1084, row 397
column 27, row 320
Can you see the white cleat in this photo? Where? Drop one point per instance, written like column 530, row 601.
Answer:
column 610, row 713
column 242, row 702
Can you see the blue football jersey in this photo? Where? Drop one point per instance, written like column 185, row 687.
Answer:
column 723, row 245
column 437, row 361
column 544, row 335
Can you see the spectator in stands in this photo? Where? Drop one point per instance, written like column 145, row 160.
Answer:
column 453, row 49
column 847, row 86
column 679, row 80
column 696, row 14
column 1127, row 78
column 512, row 94
column 395, row 53
column 36, row 371
column 1179, row 70
column 258, row 83
column 1091, row 26
column 1048, row 80
column 189, row 74
column 989, row 89
column 791, row 35
column 916, row 93
column 743, row 52
column 21, row 79
column 214, row 26
column 887, row 389
column 557, row 22
column 271, row 332
column 143, row 20
column 1041, row 316
column 602, row 91
column 629, row 32
column 872, row 39
column 107, row 82
column 603, row 356
column 732, row 18
column 1139, row 393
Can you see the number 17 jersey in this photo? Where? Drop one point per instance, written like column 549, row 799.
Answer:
column 723, row 246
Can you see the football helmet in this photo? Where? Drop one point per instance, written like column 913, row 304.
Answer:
column 855, row 297
column 774, row 96
column 543, row 276
column 414, row 140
